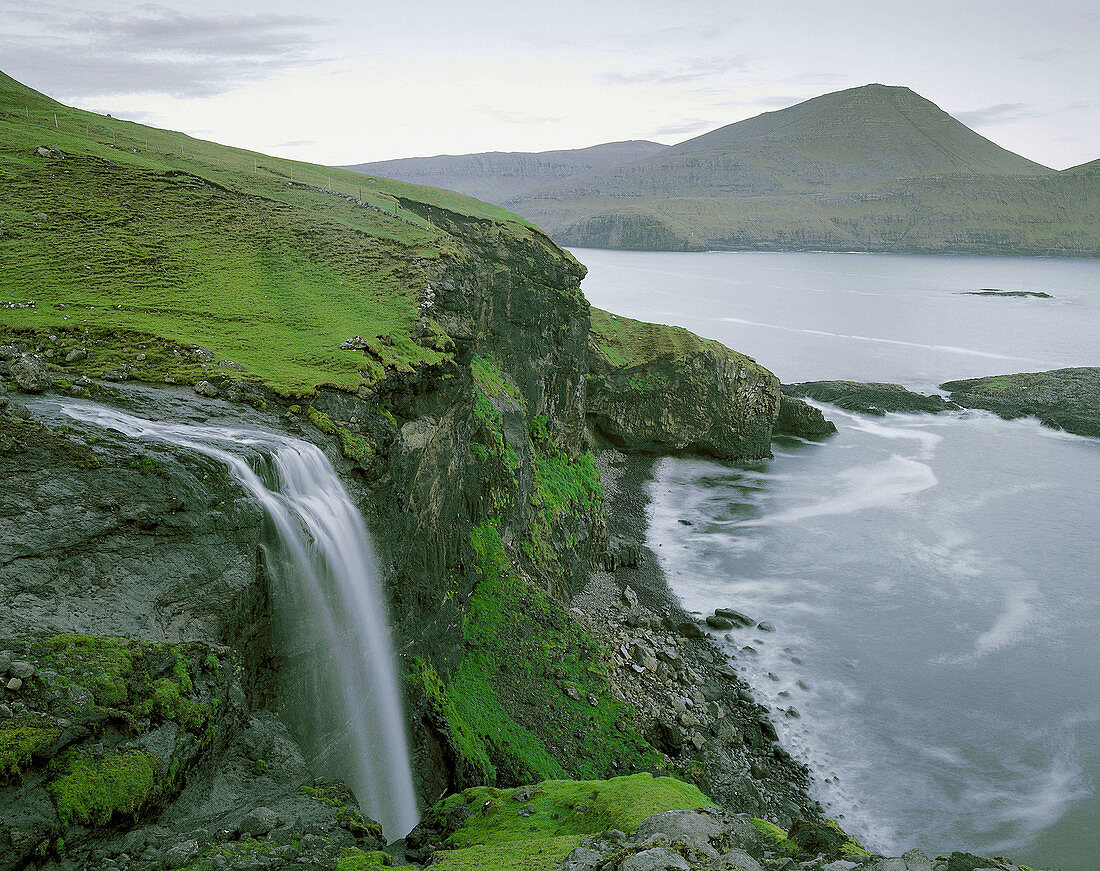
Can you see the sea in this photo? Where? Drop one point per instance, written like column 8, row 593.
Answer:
column 931, row 582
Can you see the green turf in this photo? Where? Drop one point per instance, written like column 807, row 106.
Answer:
column 153, row 241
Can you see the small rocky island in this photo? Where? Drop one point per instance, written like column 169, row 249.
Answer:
column 1066, row 399
column 873, row 398
column 992, row 291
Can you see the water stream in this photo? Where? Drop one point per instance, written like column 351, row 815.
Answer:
column 330, row 626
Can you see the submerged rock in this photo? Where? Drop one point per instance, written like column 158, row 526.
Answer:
column 1066, row 399
column 870, row 397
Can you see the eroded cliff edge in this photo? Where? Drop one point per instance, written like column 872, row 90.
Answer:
column 478, row 482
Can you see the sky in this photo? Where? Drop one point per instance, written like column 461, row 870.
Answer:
column 346, row 82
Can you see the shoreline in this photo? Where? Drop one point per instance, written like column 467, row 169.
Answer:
column 684, row 689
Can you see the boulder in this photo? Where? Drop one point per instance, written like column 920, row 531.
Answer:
column 656, row 859
column 205, row 388
column 259, row 821
column 800, row 419
column 30, row 374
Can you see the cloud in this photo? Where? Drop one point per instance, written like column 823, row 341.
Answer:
column 1001, row 113
column 691, row 126
column 522, row 119
column 153, row 50
column 692, row 71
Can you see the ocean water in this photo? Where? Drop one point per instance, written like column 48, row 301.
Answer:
column 933, row 581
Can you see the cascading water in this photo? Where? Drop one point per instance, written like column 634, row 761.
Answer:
column 330, row 617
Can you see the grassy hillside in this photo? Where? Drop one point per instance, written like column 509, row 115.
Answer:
column 127, row 237
column 499, row 176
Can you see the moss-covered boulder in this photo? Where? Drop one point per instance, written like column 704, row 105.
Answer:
column 800, row 419
column 661, row 389
column 1066, row 399
column 872, row 397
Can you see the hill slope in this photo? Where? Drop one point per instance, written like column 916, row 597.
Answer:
column 270, row 264
column 874, row 168
column 499, row 176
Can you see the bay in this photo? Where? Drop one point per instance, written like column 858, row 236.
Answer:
column 933, row 581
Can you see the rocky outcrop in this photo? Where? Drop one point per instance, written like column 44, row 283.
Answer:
column 1066, row 399
column 874, row 398
column 800, row 419
column 661, row 389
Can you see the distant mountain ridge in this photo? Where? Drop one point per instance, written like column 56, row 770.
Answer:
column 877, row 168
column 501, row 176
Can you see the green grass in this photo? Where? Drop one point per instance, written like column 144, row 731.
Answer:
column 20, row 741
column 555, row 817
column 625, row 343
column 155, row 242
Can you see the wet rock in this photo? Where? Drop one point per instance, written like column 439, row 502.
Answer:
column 205, row 388
column 181, row 854
column 30, row 374
column 800, row 419
column 14, row 685
column 716, row 622
column 734, row 860
column 874, row 398
column 736, row 617
column 656, row 859
column 21, row 669
column 259, row 822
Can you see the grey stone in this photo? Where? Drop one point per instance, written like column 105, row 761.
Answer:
column 75, row 355
column 581, row 859
column 716, row 622
column 696, row 828
column 657, row 859
column 14, row 684
column 205, row 388
column 259, row 822
column 181, row 854
column 734, row 860
column 21, row 669
column 30, row 375
column 5, row 662
column 839, row 865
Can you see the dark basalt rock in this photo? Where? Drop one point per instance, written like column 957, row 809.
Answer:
column 874, row 398
column 1066, row 399
column 798, row 418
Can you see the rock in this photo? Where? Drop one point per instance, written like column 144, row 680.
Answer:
column 1066, row 399
column 736, row 617
column 656, row 859
column 21, row 669
column 825, row 839
column 765, row 627
column 875, row 398
column 259, row 822
column 959, row 861
column 992, row 291
column 5, row 662
column 643, row 657
column 41, row 217
column 30, row 375
column 50, row 151
column 181, row 854
column 76, row 355
column 203, row 355
column 15, row 684
column 734, row 860
column 661, row 389
column 914, row 860
column 205, row 388
column 358, row 343
column 707, row 831
column 716, row 622
column 798, row 418
column 689, row 629
column 582, row 859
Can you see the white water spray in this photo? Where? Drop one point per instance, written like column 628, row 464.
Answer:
column 330, row 615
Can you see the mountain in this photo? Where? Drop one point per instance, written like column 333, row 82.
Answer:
column 499, row 176
column 874, row 168
column 1092, row 168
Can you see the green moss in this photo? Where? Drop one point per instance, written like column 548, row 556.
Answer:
column 148, row 466
column 321, row 420
column 92, row 791
column 556, row 816
column 507, row 717
column 777, row 838
column 354, row 447
column 336, row 794
column 563, row 484
column 21, row 739
column 354, row 859
column 172, row 701
column 232, row 852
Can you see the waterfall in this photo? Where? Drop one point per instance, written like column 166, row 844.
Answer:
column 340, row 688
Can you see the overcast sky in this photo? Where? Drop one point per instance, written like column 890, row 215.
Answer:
column 346, row 81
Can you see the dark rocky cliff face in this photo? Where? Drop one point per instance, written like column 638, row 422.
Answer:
column 487, row 513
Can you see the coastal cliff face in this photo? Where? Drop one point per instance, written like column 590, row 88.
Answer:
column 661, row 389
column 488, row 515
